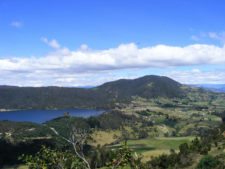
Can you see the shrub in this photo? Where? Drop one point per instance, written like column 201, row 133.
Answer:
column 208, row 162
column 51, row 159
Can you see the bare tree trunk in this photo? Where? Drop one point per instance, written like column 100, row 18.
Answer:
column 77, row 138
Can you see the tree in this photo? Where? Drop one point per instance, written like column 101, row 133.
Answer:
column 126, row 157
column 184, row 149
column 208, row 162
column 142, row 134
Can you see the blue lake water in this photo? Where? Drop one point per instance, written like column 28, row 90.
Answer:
column 40, row 116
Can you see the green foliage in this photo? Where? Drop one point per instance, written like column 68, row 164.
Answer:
column 163, row 161
column 125, row 157
column 113, row 120
column 63, row 125
column 52, row 159
column 184, row 149
column 208, row 162
column 196, row 145
column 142, row 134
column 100, row 157
column 173, row 160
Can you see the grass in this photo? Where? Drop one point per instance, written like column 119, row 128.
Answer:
column 154, row 153
column 151, row 147
column 104, row 137
column 160, row 143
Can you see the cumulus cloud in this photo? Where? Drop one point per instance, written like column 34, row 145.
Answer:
column 123, row 56
column 16, row 24
column 64, row 66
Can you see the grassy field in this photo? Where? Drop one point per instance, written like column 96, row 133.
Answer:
column 152, row 147
column 104, row 137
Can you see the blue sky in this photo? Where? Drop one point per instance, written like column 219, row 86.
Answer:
column 89, row 42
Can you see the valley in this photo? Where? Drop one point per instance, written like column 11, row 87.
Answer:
column 151, row 121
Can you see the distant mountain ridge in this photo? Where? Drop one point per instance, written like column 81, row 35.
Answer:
column 103, row 96
column 212, row 87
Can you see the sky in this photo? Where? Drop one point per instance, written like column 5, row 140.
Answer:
column 89, row 42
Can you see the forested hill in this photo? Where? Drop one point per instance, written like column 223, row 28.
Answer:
column 103, row 96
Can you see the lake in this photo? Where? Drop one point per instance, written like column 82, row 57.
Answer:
column 40, row 116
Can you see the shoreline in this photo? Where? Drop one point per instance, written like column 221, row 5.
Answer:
column 8, row 110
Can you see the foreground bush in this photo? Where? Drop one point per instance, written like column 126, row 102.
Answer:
column 210, row 162
column 52, row 159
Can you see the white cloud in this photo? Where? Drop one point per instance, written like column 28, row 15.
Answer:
column 52, row 43
column 196, row 76
column 84, row 47
column 79, row 67
column 217, row 36
column 16, row 24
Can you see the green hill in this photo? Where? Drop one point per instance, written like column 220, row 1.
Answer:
column 104, row 96
column 146, row 87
